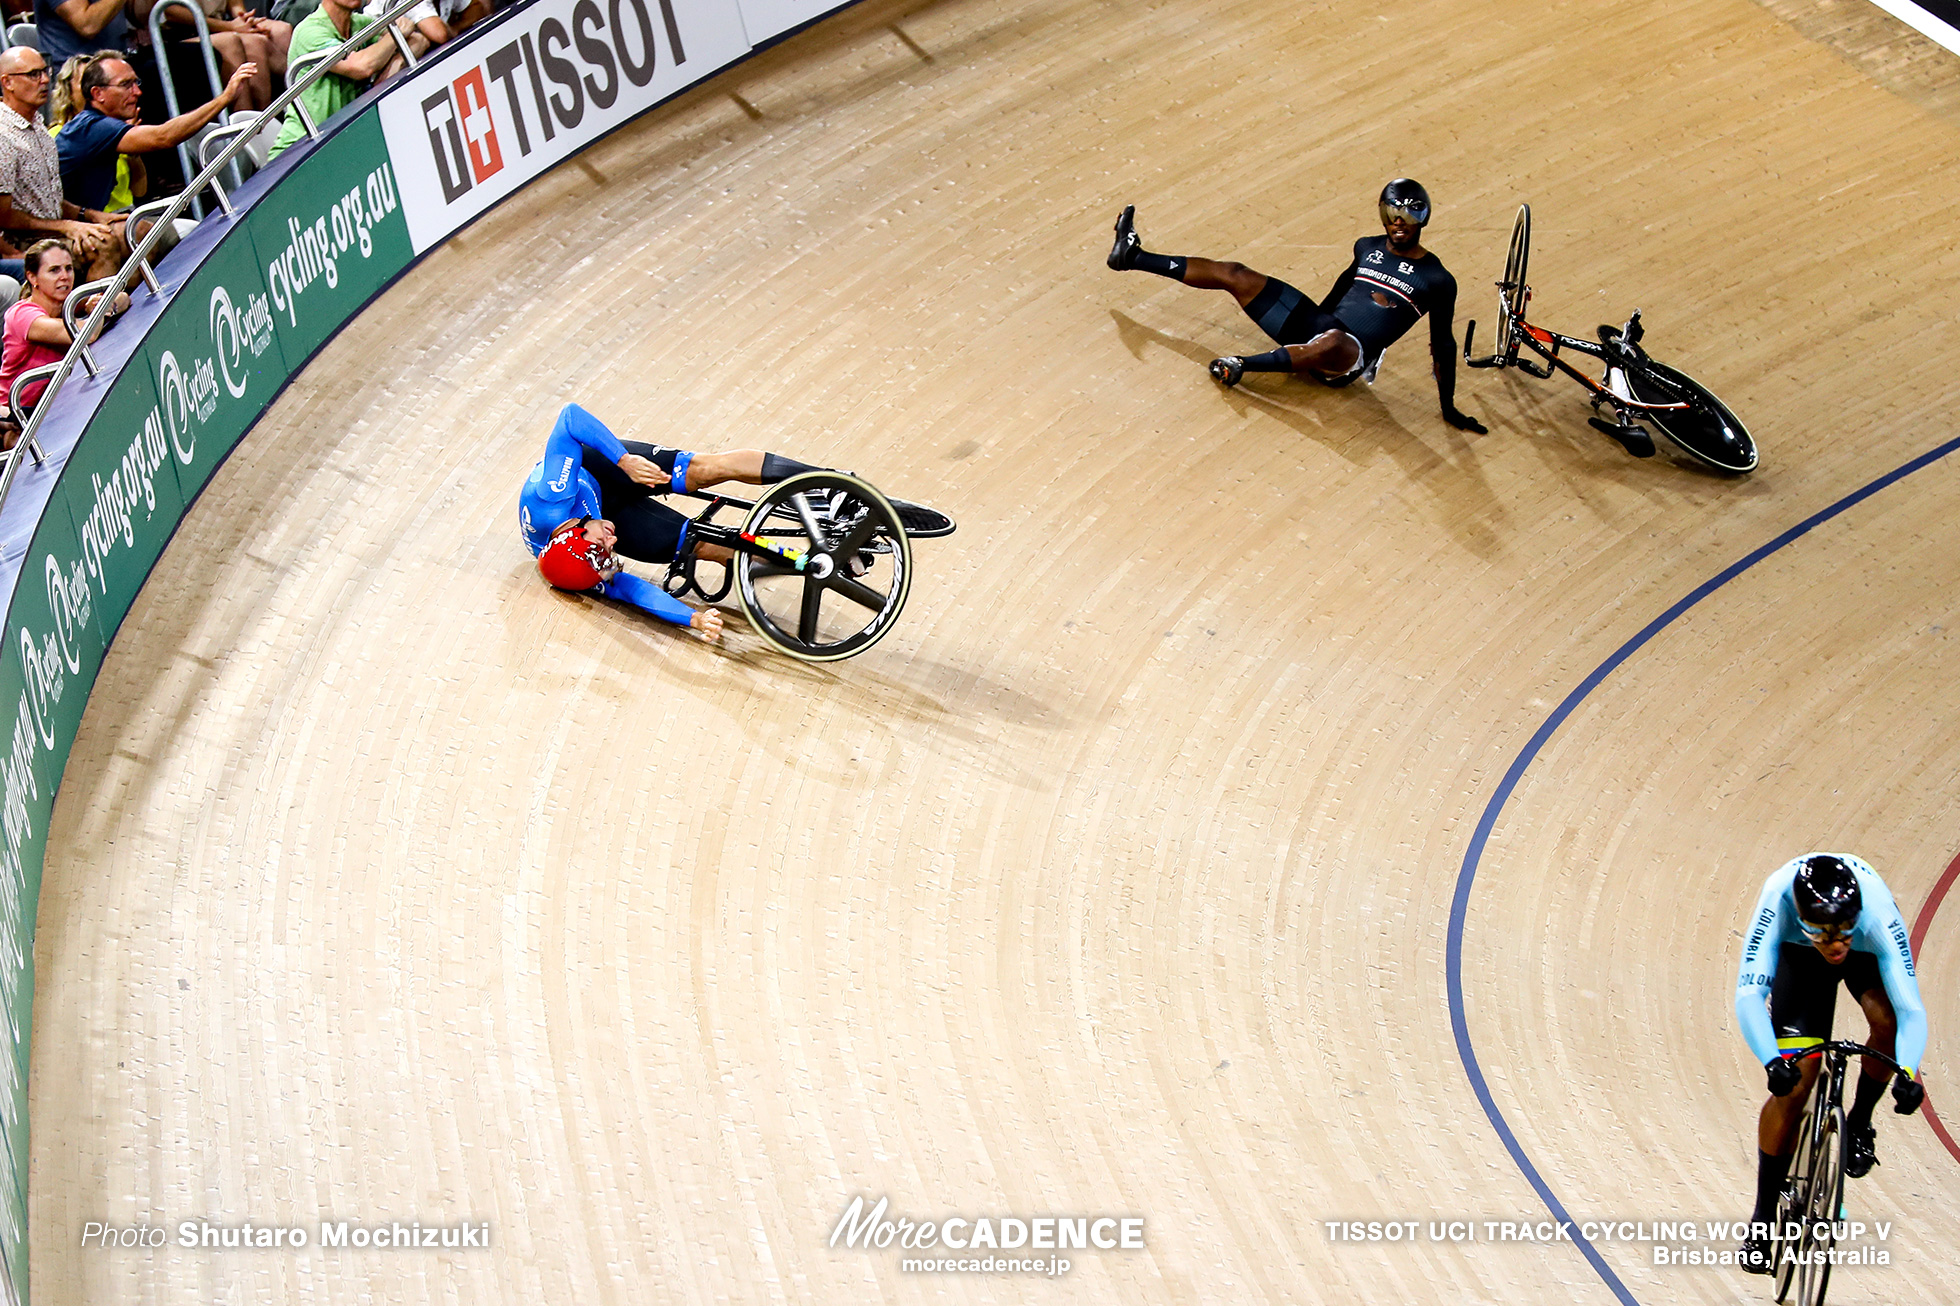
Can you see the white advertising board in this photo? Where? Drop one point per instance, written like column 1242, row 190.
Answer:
column 1937, row 19
column 474, row 127
column 767, row 18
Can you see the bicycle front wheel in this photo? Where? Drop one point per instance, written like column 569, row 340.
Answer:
column 1792, row 1205
column 847, row 574
column 1826, row 1208
column 1705, row 429
column 1512, row 290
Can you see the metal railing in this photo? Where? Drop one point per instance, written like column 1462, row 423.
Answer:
column 167, row 212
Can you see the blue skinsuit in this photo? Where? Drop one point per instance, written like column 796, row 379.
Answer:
column 1881, row 931
column 558, row 490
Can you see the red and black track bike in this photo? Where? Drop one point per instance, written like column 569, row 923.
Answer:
column 1635, row 391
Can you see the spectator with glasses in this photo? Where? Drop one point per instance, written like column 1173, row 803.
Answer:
column 108, row 127
column 32, row 205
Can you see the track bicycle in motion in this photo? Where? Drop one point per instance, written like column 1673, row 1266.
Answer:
column 823, row 561
column 1635, row 391
column 1810, row 1208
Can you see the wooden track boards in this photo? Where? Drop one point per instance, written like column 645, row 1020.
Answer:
column 390, row 885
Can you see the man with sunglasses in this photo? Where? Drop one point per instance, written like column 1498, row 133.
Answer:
column 1389, row 286
column 1824, row 919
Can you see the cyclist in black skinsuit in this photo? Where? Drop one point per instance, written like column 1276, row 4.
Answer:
column 1392, row 282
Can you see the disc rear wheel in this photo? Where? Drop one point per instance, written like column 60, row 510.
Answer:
column 847, row 573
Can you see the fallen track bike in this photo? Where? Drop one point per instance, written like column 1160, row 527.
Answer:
column 823, row 561
column 1810, row 1209
column 1635, row 391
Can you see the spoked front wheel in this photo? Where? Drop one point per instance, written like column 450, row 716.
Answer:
column 847, row 575
column 1825, row 1209
column 1512, row 291
column 1704, row 429
column 1792, row 1204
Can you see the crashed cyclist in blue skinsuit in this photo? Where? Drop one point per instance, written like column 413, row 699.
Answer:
column 593, row 492
column 1821, row 920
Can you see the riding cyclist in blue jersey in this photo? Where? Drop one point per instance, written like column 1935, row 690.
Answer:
column 593, row 492
column 1823, row 919
column 1389, row 286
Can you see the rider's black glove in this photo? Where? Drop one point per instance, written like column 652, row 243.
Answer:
column 1462, row 421
column 1907, row 1094
column 1783, row 1076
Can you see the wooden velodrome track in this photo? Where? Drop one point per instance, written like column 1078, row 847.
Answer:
column 388, row 884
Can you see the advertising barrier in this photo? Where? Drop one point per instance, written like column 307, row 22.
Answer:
column 466, row 132
column 277, row 285
column 184, row 379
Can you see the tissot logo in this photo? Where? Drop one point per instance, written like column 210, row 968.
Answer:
column 546, row 86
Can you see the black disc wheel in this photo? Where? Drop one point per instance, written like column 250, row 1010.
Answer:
column 840, row 570
column 1512, row 291
column 1693, row 420
column 1824, row 1210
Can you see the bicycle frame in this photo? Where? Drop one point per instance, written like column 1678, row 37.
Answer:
column 1837, row 1054
column 681, row 580
column 1826, row 1103
column 1548, row 344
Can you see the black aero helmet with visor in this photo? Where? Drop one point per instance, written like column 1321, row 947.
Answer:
column 1405, row 199
column 1826, row 890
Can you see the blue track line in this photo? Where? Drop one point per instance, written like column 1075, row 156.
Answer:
column 1460, row 904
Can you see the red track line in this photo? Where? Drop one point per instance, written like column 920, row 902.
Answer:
column 1919, row 925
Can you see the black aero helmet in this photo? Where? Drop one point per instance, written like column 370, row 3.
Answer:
column 1826, row 889
column 1405, row 199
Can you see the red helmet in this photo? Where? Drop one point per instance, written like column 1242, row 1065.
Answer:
column 572, row 562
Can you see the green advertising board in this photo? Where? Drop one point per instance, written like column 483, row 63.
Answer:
column 282, row 281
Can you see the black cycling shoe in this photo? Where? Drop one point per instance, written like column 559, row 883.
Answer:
column 921, row 522
column 1633, row 439
column 1227, row 371
column 1123, row 254
column 1753, row 1256
column 1860, row 1151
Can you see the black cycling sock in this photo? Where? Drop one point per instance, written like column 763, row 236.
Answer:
column 775, row 468
column 1771, row 1171
column 1162, row 264
column 1867, row 1095
column 1277, row 360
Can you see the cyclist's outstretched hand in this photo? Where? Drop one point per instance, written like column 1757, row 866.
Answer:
column 1462, row 421
column 1783, row 1076
column 707, row 624
column 643, row 470
column 1907, row 1094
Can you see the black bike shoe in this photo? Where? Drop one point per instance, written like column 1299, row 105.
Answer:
column 1633, row 439
column 1753, row 1256
column 1123, row 254
column 921, row 522
column 1860, row 1151
column 1227, row 371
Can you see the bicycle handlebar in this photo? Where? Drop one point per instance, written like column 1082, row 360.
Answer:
column 1848, row 1049
column 1469, row 334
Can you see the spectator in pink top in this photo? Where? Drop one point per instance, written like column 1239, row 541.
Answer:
column 34, row 333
